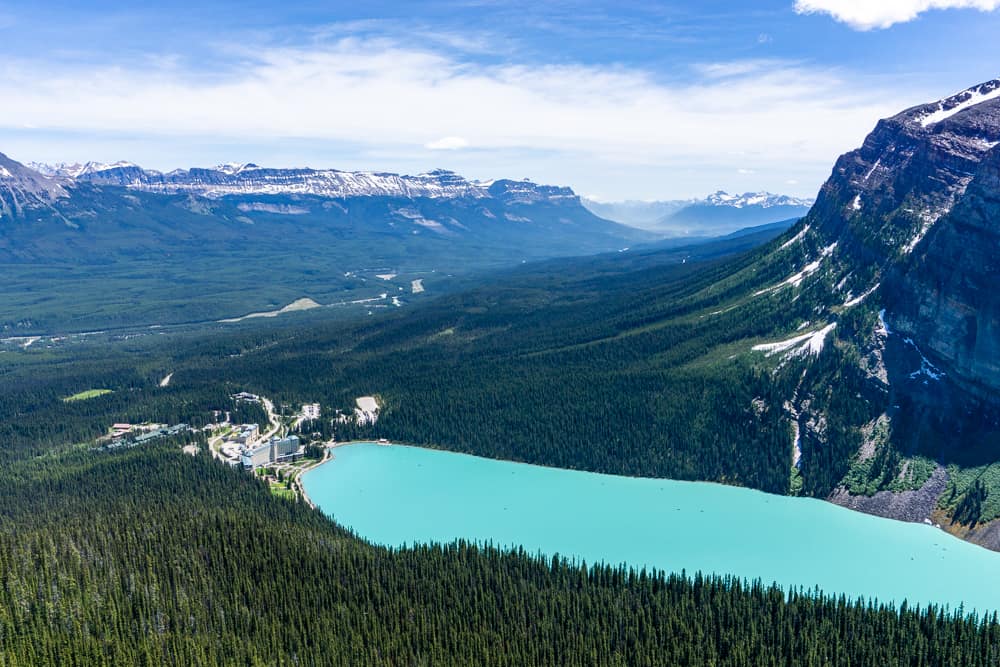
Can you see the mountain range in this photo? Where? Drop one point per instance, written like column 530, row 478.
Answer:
column 250, row 179
column 326, row 232
column 59, row 180
column 717, row 214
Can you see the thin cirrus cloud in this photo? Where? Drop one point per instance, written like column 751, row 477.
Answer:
column 390, row 98
column 872, row 14
column 447, row 144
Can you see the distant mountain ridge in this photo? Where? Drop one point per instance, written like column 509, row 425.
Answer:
column 717, row 214
column 761, row 199
column 251, row 179
column 311, row 231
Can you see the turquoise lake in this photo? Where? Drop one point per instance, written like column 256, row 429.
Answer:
column 399, row 495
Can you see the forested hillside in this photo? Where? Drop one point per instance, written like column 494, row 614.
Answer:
column 701, row 363
column 154, row 557
column 639, row 363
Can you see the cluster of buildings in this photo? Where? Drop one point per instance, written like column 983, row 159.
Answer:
column 120, row 429
column 245, row 446
column 121, row 432
column 161, row 433
column 249, row 434
column 275, row 450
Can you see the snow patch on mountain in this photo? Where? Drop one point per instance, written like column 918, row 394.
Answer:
column 960, row 102
column 75, row 170
column 280, row 209
column 851, row 302
column 796, row 278
column 809, row 344
column 795, row 239
column 926, row 367
column 928, row 219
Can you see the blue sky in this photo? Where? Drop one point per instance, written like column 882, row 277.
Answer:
column 619, row 100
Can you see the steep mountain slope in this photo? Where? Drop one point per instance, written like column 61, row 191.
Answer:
column 907, row 227
column 915, row 210
column 136, row 246
column 22, row 188
column 947, row 296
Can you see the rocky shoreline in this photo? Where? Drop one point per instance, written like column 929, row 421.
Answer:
column 919, row 506
column 915, row 506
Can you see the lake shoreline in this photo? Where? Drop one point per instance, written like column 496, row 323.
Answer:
column 843, row 501
column 401, row 495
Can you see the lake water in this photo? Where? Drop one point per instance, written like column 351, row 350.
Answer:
column 400, row 495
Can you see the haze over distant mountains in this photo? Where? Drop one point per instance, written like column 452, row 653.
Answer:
column 190, row 244
column 718, row 213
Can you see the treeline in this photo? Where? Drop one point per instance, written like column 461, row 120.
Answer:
column 153, row 557
column 638, row 371
column 628, row 373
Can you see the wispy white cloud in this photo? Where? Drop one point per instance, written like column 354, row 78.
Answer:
column 871, row 14
column 447, row 144
column 390, row 98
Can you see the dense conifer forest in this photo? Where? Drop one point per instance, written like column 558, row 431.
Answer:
column 150, row 556
column 637, row 364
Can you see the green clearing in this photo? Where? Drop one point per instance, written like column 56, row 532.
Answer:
column 85, row 395
column 281, row 491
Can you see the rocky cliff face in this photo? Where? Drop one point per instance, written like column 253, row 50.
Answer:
column 916, row 211
column 883, row 198
column 899, row 261
column 948, row 296
column 250, row 179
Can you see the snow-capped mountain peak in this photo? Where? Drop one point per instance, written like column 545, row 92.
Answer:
column 75, row 170
column 22, row 187
column 232, row 168
column 936, row 112
column 761, row 199
column 250, row 179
